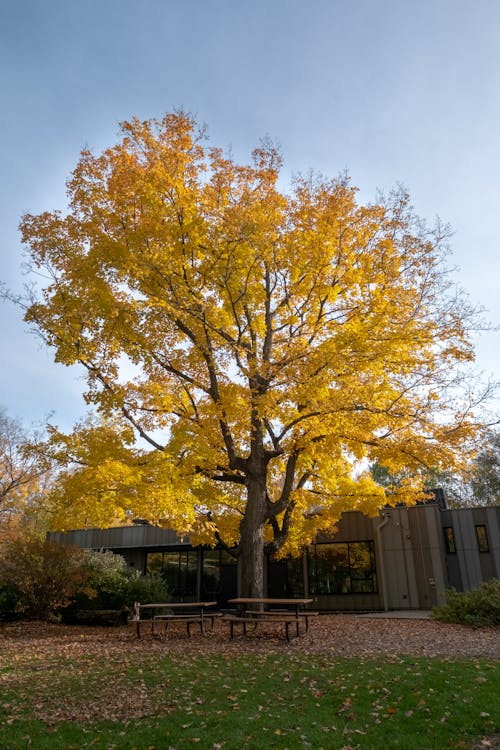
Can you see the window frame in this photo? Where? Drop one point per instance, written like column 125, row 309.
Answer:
column 219, row 558
column 450, row 541
column 483, row 543
column 353, row 580
column 183, row 576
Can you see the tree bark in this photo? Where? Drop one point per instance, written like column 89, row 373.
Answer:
column 252, row 539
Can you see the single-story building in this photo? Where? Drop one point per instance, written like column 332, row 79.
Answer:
column 403, row 558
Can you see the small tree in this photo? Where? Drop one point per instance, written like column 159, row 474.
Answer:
column 264, row 345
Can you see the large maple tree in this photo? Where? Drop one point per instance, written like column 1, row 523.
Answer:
column 249, row 350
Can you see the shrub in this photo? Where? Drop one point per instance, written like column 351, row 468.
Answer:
column 146, row 589
column 40, row 578
column 112, row 585
column 107, row 577
column 43, row 575
column 479, row 607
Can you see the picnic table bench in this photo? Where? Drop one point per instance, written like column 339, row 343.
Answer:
column 168, row 612
column 254, row 611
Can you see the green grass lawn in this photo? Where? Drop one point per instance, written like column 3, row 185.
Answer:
column 246, row 701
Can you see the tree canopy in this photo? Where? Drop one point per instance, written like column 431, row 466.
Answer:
column 264, row 345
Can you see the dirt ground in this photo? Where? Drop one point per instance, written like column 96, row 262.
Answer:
column 335, row 635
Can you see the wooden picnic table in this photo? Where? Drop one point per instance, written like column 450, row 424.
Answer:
column 188, row 612
column 252, row 610
column 246, row 602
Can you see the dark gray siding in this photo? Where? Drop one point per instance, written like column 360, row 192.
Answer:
column 413, row 568
column 352, row 527
column 123, row 537
column 411, row 557
column 468, row 566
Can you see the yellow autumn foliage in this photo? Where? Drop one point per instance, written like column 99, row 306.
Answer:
column 263, row 347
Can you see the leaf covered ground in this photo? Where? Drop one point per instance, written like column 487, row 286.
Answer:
column 351, row 682
column 336, row 635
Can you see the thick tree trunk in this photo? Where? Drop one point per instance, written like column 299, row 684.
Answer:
column 252, row 540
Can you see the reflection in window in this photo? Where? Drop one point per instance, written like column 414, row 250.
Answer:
column 214, row 565
column 342, row 568
column 285, row 577
column 211, row 572
column 482, row 539
column 295, row 573
column 178, row 570
column 449, row 540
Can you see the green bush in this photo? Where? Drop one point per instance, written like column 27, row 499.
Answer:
column 146, row 589
column 112, row 585
column 479, row 607
column 107, row 576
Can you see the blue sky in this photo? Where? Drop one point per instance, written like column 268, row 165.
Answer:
column 392, row 91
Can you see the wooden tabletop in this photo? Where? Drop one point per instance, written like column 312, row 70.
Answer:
column 178, row 605
column 256, row 600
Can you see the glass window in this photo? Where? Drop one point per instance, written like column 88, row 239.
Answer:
column 179, row 569
column 285, row 577
column 362, row 567
column 295, row 572
column 211, row 571
column 218, row 573
column 188, row 572
column 342, row 568
column 154, row 563
column 482, row 539
column 449, row 540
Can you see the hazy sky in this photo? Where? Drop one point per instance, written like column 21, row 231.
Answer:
column 393, row 91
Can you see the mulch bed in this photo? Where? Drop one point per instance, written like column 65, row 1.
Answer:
column 335, row 635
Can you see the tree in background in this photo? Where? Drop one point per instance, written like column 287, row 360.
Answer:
column 476, row 484
column 265, row 346
column 23, row 474
column 485, row 474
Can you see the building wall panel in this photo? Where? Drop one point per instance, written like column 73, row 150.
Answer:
column 412, row 566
